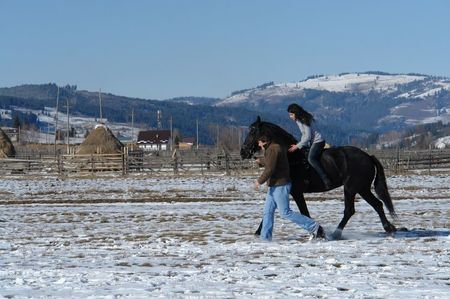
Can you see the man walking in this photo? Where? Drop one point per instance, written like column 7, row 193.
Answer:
column 276, row 174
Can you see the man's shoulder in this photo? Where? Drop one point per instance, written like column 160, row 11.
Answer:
column 274, row 146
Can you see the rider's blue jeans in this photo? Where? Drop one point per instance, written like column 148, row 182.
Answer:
column 278, row 197
column 314, row 159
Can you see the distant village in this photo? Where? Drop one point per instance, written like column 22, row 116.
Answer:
column 77, row 132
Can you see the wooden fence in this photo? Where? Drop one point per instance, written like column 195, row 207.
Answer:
column 27, row 166
column 398, row 161
column 394, row 161
column 129, row 162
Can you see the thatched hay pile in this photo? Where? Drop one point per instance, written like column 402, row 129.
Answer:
column 6, row 147
column 100, row 141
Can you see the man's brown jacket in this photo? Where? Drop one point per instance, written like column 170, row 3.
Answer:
column 276, row 165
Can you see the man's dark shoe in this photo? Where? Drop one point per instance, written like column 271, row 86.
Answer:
column 318, row 234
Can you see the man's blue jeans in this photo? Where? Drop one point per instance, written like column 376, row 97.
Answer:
column 278, row 197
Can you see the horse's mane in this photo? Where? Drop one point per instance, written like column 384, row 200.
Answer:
column 278, row 134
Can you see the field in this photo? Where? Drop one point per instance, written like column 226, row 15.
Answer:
column 192, row 237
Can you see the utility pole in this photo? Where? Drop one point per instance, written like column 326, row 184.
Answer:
column 171, row 134
column 132, row 124
column 100, row 101
column 217, row 142
column 56, row 118
column 47, row 133
column 239, row 136
column 68, row 126
column 197, row 134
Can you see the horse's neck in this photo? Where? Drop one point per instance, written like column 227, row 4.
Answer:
column 288, row 139
column 283, row 136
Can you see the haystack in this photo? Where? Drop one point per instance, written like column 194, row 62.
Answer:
column 6, row 147
column 100, row 141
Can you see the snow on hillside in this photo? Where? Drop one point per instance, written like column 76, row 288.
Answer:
column 356, row 82
column 442, row 143
column 81, row 124
column 416, row 113
column 335, row 83
column 353, row 82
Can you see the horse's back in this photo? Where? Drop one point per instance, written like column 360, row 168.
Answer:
column 347, row 152
column 348, row 161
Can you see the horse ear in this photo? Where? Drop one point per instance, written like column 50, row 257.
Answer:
column 258, row 119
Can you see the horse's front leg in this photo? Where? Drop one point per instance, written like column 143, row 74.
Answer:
column 258, row 231
column 297, row 194
column 349, row 210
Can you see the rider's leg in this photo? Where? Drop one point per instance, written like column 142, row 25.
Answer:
column 313, row 159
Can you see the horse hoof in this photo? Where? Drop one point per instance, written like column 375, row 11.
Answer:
column 390, row 228
column 403, row 229
column 336, row 235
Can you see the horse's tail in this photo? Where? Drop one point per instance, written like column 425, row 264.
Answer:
column 381, row 187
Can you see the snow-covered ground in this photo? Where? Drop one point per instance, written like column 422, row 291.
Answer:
column 442, row 142
column 192, row 237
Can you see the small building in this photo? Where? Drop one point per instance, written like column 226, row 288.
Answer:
column 154, row 140
column 187, row 143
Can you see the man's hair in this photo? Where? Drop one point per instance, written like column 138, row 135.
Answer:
column 265, row 138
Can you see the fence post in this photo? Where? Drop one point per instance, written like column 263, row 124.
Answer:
column 201, row 164
column 175, row 165
column 59, row 164
column 429, row 159
column 227, row 163
column 397, row 163
column 175, row 161
column 124, row 164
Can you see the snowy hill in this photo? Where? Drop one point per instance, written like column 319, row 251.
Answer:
column 350, row 82
column 371, row 101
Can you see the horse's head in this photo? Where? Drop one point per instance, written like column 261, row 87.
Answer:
column 260, row 128
column 250, row 145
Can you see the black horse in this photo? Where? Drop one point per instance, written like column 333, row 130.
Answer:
column 344, row 165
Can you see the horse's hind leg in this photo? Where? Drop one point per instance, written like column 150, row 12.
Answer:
column 378, row 207
column 349, row 199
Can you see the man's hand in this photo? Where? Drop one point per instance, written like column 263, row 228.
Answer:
column 256, row 186
column 293, row 148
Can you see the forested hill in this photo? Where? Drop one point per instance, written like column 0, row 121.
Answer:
column 350, row 108
column 181, row 112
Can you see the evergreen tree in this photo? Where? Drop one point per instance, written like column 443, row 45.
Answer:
column 16, row 122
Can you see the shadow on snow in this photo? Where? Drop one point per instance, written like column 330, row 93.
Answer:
column 400, row 234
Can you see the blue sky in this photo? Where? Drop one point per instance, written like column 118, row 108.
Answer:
column 163, row 49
